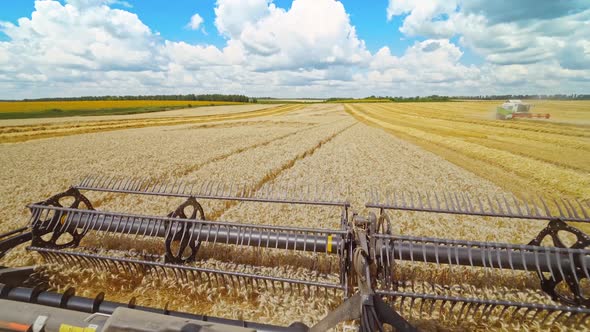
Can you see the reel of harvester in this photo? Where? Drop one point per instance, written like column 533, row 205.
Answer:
column 365, row 259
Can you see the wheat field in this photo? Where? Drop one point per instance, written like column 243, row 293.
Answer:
column 407, row 146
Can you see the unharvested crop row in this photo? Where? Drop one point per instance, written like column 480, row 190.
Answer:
column 469, row 118
column 544, row 176
column 541, row 146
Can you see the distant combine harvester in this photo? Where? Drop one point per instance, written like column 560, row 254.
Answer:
column 515, row 108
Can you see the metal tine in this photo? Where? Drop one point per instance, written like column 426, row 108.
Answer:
column 181, row 187
column 573, row 269
column 141, row 220
column 98, row 181
column 411, row 200
column 285, row 192
column 422, row 200
column 123, row 183
column 459, row 206
column 176, row 184
column 517, row 206
column 447, row 205
column 259, row 193
column 200, row 188
column 242, row 192
column 159, row 185
column 164, row 187
column 131, row 183
column 231, row 190
column 582, row 209
column 490, row 204
column 144, row 184
column 188, row 190
column 536, row 254
column 507, row 204
column 93, row 221
column 558, row 208
column 109, row 183
column 271, row 191
column 558, row 256
column 209, row 188
column 526, row 204
column 89, row 218
column 499, row 205
column 87, row 180
column 451, row 204
column 566, row 208
column 218, row 188
column 34, row 219
column 584, row 267
column 276, row 191
column 156, row 185
column 470, row 206
column 102, row 181
column 437, row 200
column 480, row 205
column 212, row 190
column 302, row 193
column 288, row 189
column 60, row 216
column 191, row 190
column 568, row 202
column 433, row 303
column 547, row 211
column 266, row 191
column 134, row 184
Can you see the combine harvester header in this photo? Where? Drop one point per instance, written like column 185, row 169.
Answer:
column 365, row 254
column 515, row 108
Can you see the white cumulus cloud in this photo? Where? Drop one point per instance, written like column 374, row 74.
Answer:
column 195, row 22
column 312, row 48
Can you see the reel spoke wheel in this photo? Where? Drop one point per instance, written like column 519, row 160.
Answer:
column 568, row 290
column 56, row 223
column 180, row 246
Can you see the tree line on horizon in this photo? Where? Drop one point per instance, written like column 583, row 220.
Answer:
column 434, row 98
column 246, row 99
column 187, row 97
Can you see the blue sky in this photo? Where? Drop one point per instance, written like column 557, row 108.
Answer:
column 169, row 18
column 304, row 48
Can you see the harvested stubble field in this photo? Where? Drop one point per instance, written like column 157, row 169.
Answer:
column 342, row 146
